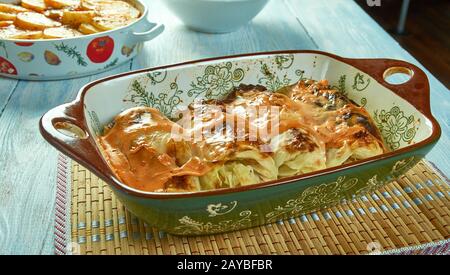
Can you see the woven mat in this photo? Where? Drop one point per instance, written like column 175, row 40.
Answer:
column 408, row 216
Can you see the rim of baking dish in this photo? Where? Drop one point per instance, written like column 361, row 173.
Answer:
column 110, row 177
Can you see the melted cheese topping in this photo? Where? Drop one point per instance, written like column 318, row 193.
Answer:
column 230, row 142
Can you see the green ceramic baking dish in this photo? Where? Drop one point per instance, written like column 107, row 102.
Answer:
column 402, row 113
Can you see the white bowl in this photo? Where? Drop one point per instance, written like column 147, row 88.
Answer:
column 215, row 16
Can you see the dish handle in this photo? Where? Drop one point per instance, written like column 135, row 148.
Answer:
column 416, row 90
column 64, row 128
column 147, row 31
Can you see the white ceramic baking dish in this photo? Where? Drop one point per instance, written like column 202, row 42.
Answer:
column 401, row 112
column 52, row 59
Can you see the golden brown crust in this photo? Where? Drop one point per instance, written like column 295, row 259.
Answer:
column 314, row 122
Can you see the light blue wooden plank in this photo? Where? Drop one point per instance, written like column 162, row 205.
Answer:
column 7, row 87
column 28, row 171
column 343, row 28
column 274, row 28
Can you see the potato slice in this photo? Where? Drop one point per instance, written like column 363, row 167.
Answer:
column 8, row 8
column 27, row 35
column 106, row 23
column 87, row 5
column 6, row 31
column 108, row 8
column 60, row 32
column 54, row 14
column 34, row 21
column 7, row 16
column 6, row 23
column 86, row 28
column 36, row 5
column 61, row 4
column 12, row 32
column 75, row 18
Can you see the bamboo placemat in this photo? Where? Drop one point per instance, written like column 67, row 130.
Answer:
column 408, row 216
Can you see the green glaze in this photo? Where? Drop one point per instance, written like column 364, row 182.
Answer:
column 216, row 81
column 400, row 123
column 395, row 126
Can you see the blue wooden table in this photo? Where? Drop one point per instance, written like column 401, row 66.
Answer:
column 28, row 163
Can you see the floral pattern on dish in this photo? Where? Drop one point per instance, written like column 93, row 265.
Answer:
column 217, row 81
column 395, row 126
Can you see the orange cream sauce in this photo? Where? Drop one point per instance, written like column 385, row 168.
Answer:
column 134, row 161
column 207, row 137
